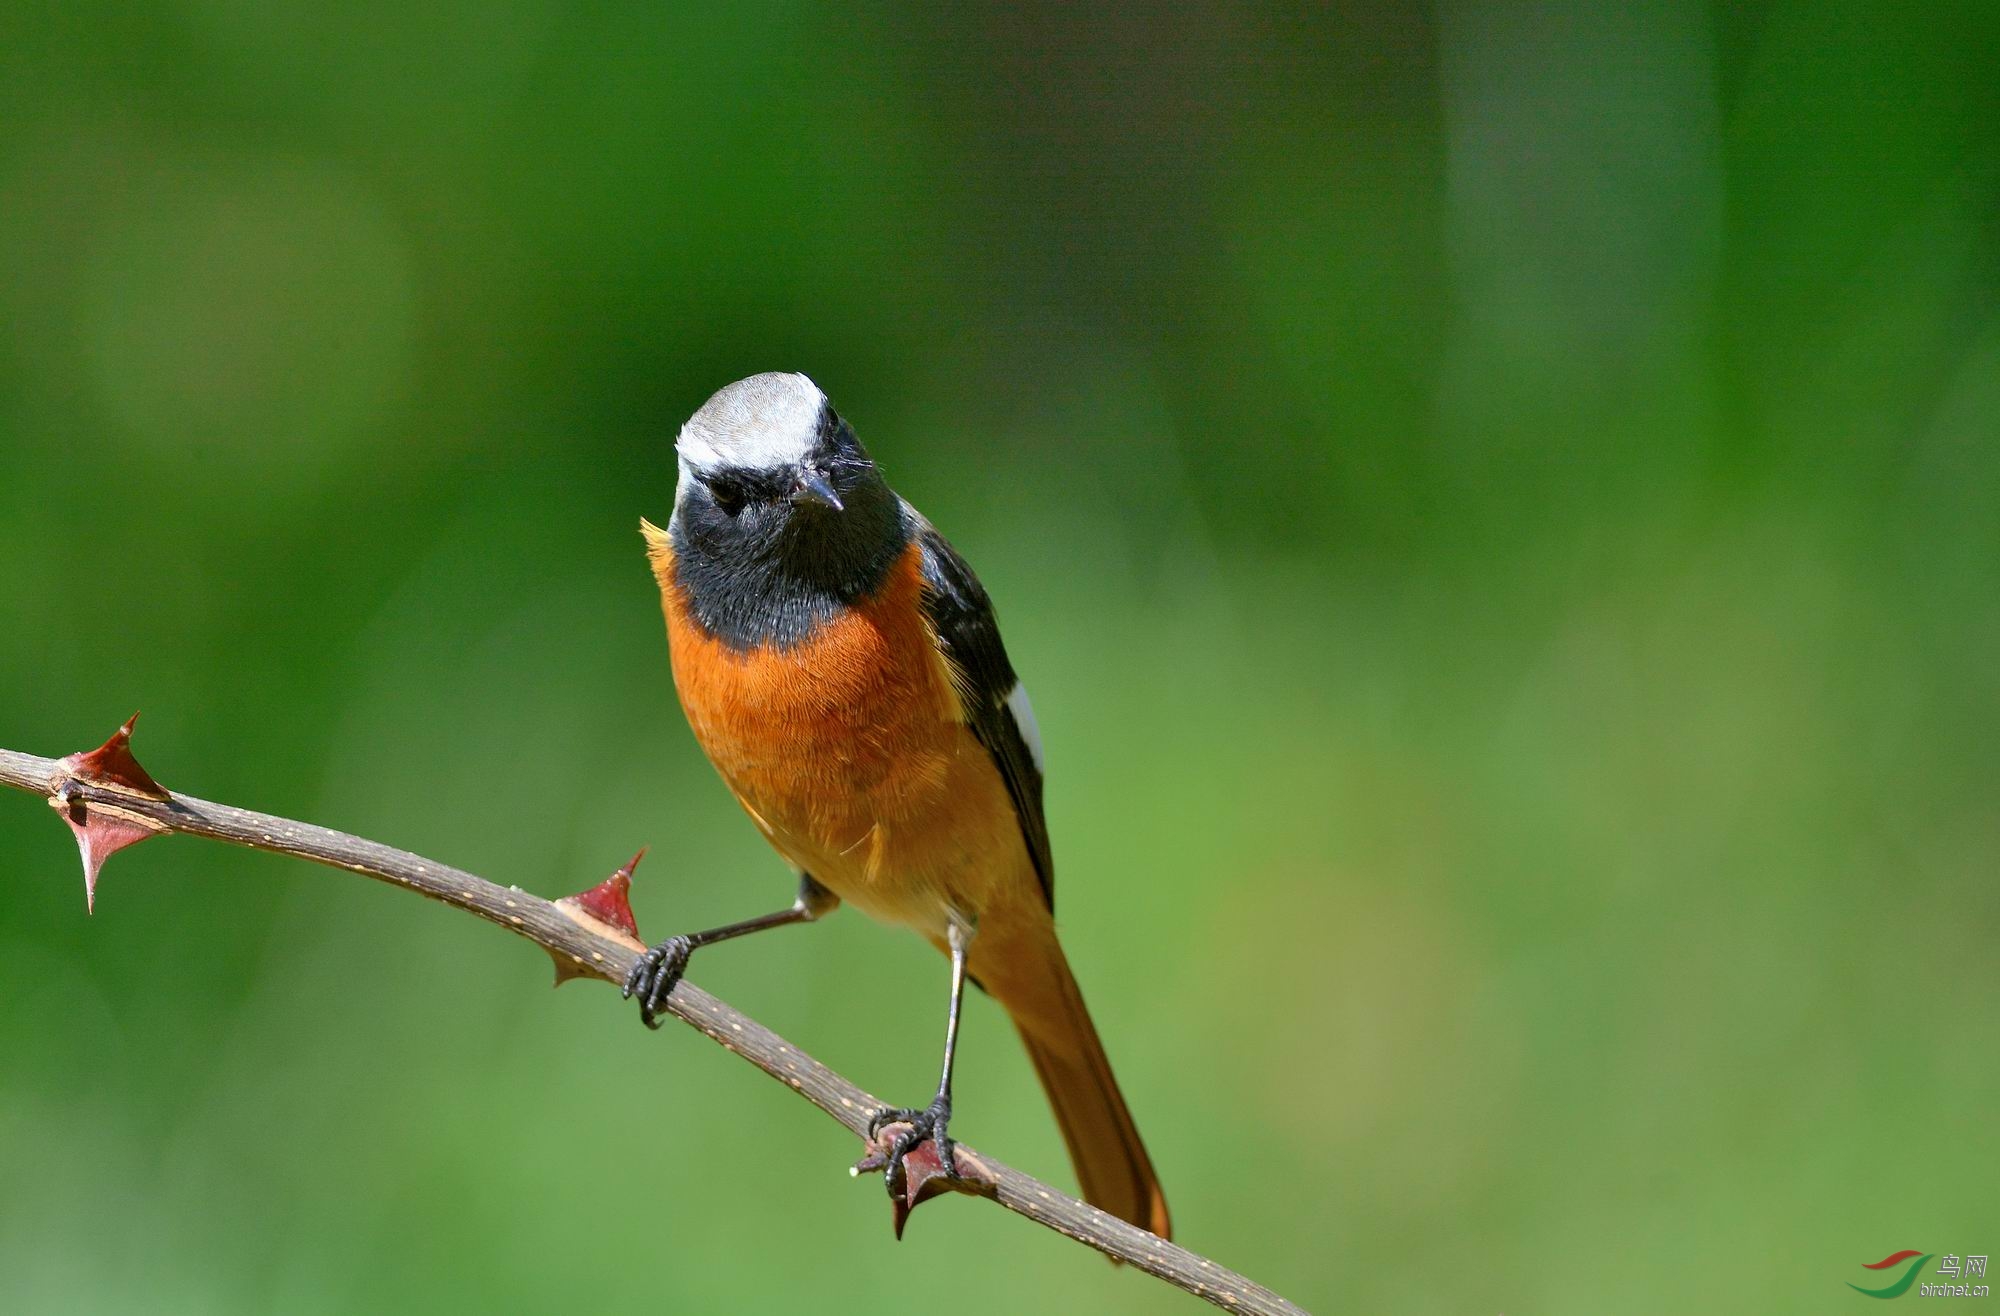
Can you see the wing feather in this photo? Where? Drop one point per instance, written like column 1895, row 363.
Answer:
column 996, row 707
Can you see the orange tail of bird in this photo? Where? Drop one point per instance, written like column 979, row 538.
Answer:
column 1034, row 983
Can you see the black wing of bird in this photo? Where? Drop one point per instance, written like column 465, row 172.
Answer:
column 995, row 705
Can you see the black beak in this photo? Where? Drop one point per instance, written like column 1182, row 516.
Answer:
column 816, row 489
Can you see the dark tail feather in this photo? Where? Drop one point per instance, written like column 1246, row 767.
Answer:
column 1111, row 1163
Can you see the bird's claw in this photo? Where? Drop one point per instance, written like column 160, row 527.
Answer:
column 929, row 1123
column 654, row 976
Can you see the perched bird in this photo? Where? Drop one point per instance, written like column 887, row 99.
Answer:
column 840, row 665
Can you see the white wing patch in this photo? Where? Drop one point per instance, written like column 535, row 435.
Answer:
column 1023, row 714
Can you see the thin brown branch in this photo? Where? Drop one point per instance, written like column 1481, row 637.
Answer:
column 592, row 955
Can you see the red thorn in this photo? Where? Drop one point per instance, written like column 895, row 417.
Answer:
column 610, row 900
column 103, row 829
column 607, row 909
column 99, row 837
column 112, row 764
column 924, row 1177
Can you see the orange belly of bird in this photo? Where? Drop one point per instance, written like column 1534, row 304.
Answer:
column 848, row 751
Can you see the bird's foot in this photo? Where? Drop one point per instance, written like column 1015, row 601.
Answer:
column 654, row 976
column 919, row 1160
column 927, row 1124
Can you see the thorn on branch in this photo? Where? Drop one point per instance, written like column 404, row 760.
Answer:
column 921, row 1174
column 103, row 829
column 605, row 909
column 112, row 766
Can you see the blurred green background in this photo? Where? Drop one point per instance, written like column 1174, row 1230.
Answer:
column 1496, row 504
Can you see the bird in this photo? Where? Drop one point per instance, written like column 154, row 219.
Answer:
column 841, row 666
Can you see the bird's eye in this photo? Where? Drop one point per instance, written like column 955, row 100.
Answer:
column 728, row 492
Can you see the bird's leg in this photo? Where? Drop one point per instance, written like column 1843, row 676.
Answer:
column 654, row 976
column 932, row 1121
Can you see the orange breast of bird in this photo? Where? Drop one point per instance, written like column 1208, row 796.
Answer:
column 849, row 751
